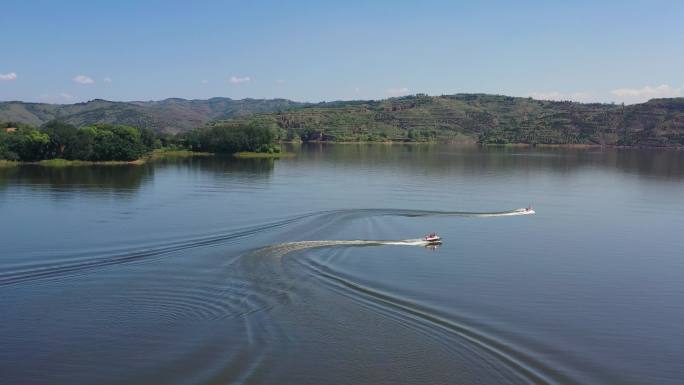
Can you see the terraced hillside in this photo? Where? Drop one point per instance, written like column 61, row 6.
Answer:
column 487, row 119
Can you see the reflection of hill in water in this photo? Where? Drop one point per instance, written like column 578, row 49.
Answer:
column 123, row 179
column 438, row 160
column 113, row 178
column 446, row 160
column 220, row 165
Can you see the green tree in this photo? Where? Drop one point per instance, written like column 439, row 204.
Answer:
column 84, row 144
column 150, row 139
column 27, row 144
column 233, row 137
column 5, row 152
column 105, row 142
column 62, row 139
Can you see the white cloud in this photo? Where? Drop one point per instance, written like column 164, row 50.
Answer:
column 10, row 76
column 647, row 92
column 239, row 79
column 583, row 97
column 398, row 91
column 107, row 79
column 83, row 79
column 626, row 95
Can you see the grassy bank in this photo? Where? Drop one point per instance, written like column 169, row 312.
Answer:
column 252, row 155
column 156, row 154
column 71, row 163
column 505, row 145
column 175, row 153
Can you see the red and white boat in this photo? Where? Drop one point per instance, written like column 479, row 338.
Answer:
column 432, row 238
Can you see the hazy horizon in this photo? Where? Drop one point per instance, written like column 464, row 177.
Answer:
column 318, row 101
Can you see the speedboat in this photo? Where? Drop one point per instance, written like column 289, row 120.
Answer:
column 432, row 238
column 526, row 210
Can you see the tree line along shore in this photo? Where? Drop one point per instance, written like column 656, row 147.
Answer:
column 57, row 143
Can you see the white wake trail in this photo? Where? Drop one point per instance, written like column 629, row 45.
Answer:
column 284, row 248
column 509, row 213
column 281, row 249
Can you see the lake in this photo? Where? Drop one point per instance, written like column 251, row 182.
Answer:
column 208, row 270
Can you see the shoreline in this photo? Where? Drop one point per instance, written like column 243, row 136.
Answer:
column 580, row 145
column 514, row 145
column 59, row 162
column 162, row 154
column 262, row 155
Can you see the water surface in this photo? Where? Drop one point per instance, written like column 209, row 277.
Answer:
column 210, row 270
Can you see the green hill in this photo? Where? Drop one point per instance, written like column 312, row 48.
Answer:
column 169, row 115
column 489, row 119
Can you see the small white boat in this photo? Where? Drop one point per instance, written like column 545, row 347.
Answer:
column 526, row 210
column 432, row 238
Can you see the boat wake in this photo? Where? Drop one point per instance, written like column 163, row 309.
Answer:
column 281, row 249
column 60, row 266
column 264, row 294
column 285, row 270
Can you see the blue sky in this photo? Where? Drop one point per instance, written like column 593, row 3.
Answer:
column 71, row 51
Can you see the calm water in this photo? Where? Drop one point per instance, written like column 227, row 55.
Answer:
column 194, row 271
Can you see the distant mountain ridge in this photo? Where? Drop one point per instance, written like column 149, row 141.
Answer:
column 494, row 119
column 168, row 115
